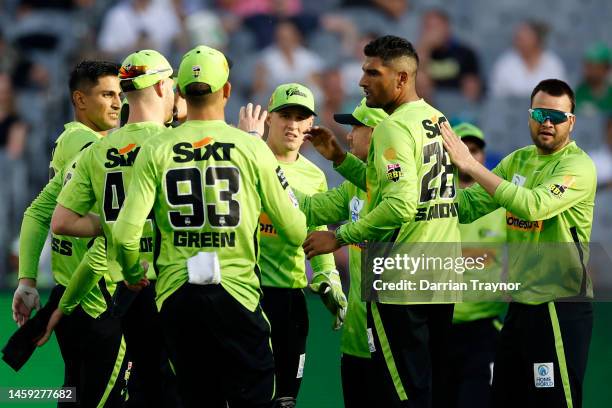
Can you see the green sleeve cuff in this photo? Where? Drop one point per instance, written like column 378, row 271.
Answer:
column 502, row 192
column 340, row 235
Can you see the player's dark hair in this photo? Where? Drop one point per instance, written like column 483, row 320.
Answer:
column 198, row 94
column 555, row 87
column 86, row 74
column 390, row 47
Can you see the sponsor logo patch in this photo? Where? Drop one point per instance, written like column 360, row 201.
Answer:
column 518, row 180
column 281, row 178
column 544, row 375
column 355, row 207
column 515, row 223
column 371, row 340
column 394, row 172
column 557, row 190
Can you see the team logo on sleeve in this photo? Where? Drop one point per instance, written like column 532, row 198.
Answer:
column 557, row 190
column 394, row 172
column 355, row 206
column 518, row 180
column 281, row 178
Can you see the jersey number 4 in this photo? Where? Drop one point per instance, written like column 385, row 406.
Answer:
column 114, row 196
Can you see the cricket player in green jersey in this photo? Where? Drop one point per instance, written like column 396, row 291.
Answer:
column 411, row 197
column 283, row 264
column 476, row 325
column 90, row 340
column 548, row 192
column 100, row 182
column 207, row 183
column 347, row 203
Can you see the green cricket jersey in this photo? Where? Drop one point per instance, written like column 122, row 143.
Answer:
column 100, row 182
column 282, row 265
column 34, row 232
column 67, row 252
column 548, row 199
column 346, row 202
column 75, row 137
column 101, row 179
column 409, row 179
column 490, row 229
column 207, row 184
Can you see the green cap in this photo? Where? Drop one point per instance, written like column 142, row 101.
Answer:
column 293, row 94
column 203, row 65
column 598, row 53
column 362, row 116
column 144, row 68
column 464, row 130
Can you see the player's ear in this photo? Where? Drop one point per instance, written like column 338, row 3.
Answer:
column 227, row 90
column 159, row 88
column 572, row 122
column 269, row 119
column 78, row 100
column 402, row 79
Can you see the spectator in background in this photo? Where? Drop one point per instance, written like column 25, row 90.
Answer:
column 261, row 17
column 287, row 60
column 594, row 94
column 351, row 68
column 12, row 129
column 446, row 62
column 139, row 24
column 602, row 158
column 333, row 99
column 12, row 165
column 8, row 56
column 384, row 16
column 518, row 71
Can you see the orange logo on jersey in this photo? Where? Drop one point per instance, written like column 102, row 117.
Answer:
column 202, row 142
column 127, row 148
column 265, row 226
column 515, row 223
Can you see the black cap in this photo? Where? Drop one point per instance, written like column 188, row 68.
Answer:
column 347, row 119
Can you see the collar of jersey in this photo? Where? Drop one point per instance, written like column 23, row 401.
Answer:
column 140, row 125
column 76, row 124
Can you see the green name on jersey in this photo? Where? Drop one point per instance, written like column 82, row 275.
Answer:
column 208, row 239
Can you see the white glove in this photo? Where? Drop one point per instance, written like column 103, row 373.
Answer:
column 25, row 299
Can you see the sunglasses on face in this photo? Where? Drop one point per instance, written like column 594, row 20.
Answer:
column 541, row 115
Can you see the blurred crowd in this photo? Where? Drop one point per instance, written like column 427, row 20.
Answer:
column 479, row 62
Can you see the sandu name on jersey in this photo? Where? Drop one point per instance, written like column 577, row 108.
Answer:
column 443, row 170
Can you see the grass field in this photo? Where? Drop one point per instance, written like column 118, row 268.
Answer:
column 321, row 386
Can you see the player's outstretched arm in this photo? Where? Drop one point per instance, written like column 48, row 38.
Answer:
column 398, row 193
column 127, row 230
column 90, row 270
column 32, row 237
column 68, row 222
column 327, row 207
column 278, row 200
